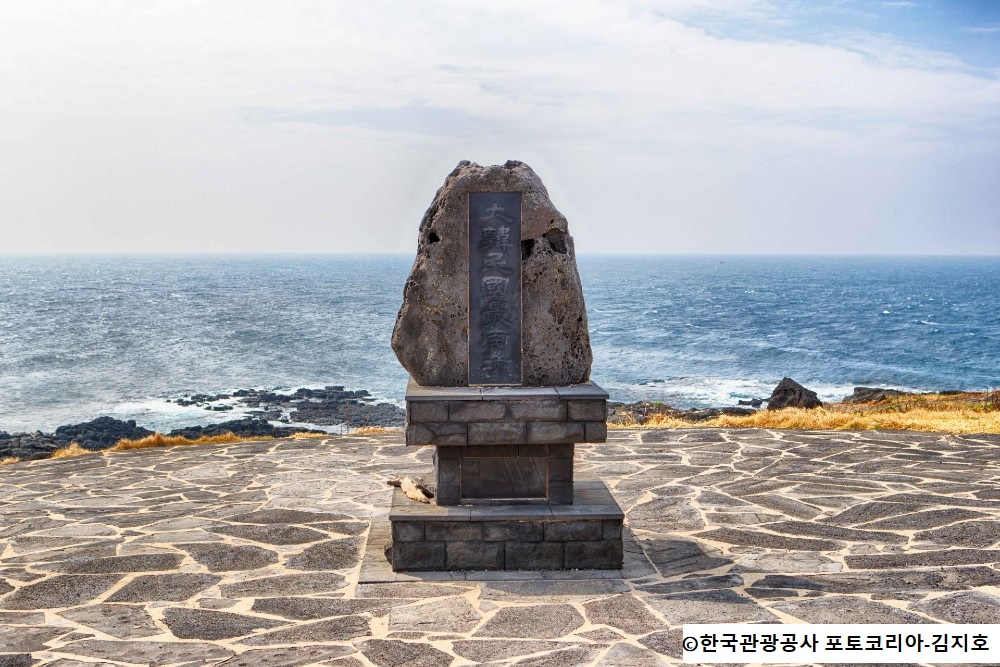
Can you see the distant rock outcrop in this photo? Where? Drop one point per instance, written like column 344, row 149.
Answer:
column 644, row 411
column 244, row 428
column 105, row 432
column 711, row 413
column 27, row 446
column 100, row 433
column 94, row 435
column 790, row 394
column 332, row 405
column 873, row 395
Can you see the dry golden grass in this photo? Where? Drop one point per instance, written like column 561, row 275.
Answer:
column 945, row 413
column 371, row 430
column 917, row 419
column 658, row 421
column 160, row 440
column 72, row 449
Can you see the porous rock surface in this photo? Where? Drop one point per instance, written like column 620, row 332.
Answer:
column 431, row 336
column 873, row 395
column 790, row 394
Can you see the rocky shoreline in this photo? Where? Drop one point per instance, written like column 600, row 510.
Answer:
column 337, row 406
column 788, row 393
column 330, row 406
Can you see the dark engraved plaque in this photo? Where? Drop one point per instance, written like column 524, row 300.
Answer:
column 494, row 288
column 508, row 477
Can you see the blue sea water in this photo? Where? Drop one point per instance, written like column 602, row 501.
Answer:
column 87, row 336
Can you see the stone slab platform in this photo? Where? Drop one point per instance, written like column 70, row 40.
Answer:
column 484, row 416
column 376, row 569
column 253, row 553
column 584, row 536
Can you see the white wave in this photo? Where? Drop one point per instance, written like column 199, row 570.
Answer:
column 154, row 413
column 158, row 414
column 306, row 426
column 691, row 392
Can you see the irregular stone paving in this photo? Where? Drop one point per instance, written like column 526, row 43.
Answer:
column 250, row 554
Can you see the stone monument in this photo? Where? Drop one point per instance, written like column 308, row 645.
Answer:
column 493, row 331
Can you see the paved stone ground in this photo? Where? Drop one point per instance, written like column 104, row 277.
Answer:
column 251, row 554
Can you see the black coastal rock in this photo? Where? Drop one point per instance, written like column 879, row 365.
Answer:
column 790, row 394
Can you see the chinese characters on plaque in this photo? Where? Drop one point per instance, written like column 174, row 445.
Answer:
column 495, row 288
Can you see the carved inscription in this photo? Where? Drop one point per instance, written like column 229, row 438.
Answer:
column 494, row 288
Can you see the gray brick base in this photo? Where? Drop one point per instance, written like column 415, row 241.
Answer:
column 508, row 537
column 600, row 554
column 483, row 416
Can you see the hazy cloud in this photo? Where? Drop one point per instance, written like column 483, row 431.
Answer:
column 695, row 125
column 419, row 119
column 984, row 29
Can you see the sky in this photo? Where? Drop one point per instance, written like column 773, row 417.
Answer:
column 658, row 126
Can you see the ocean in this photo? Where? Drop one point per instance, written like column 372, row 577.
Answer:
column 85, row 336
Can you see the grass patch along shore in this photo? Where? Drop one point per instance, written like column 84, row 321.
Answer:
column 958, row 413
column 977, row 412
column 160, row 440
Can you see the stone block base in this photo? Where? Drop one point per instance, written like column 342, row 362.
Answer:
column 584, row 536
column 504, row 474
column 486, row 416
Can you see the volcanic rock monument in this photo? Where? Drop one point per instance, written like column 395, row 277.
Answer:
column 493, row 331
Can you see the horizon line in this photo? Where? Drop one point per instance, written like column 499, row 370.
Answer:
column 303, row 254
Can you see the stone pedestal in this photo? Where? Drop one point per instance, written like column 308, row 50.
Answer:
column 506, row 496
column 505, row 444
column 586, row 535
